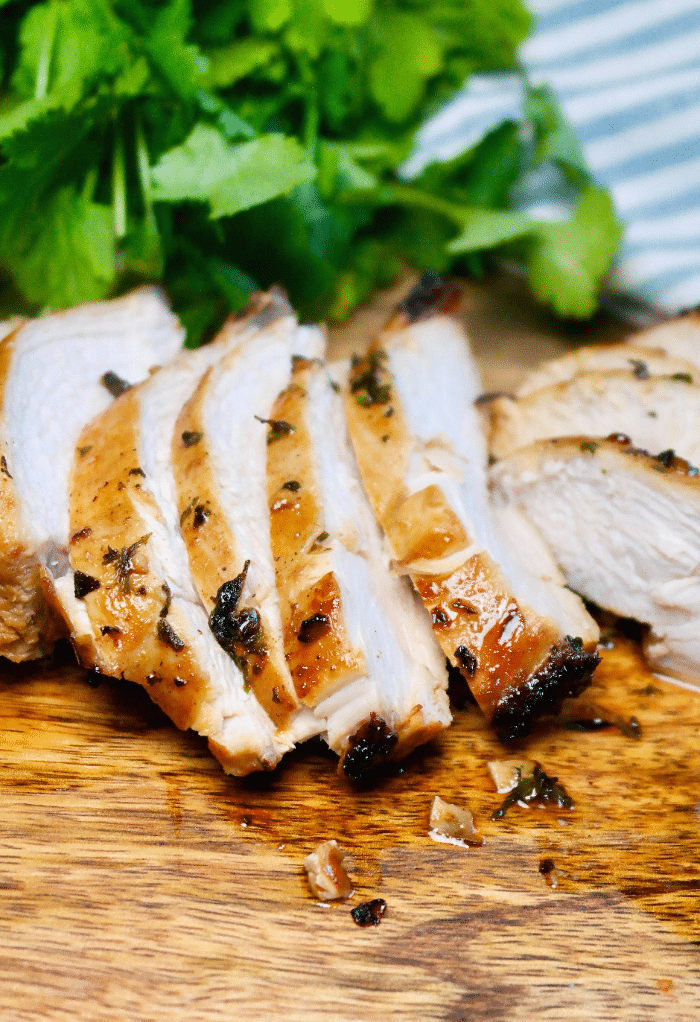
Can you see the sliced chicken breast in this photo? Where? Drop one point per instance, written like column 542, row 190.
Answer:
column 604, row 358
column 133, row 607
column 358, row 643
column 678, row 337
column 497, row 600
column 656, row 412
column 221, row 488
column 625, row 528
column 55, row 375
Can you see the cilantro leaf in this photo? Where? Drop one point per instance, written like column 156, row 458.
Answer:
column 407, row 54
column 556, row 139
column 567, row 262
column 231, row 177
column 488, row 228
column 68, row 255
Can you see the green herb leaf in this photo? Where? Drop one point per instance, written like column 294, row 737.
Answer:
column 408, row 53
column 231, row 177
column 488, row 228
column 567, row 262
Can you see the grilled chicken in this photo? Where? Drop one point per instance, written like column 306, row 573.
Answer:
column 51, row 371
column 678, row 337
column 497, row 600
column 656, row 412
column 604, row 358
column 357, row 641
column 222, row 503
column 130, row 599
column 625, row 527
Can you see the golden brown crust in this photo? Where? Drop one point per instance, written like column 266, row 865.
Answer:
column 496, row 643
column 307, row 591
column 28, row 627
column 133, row 634
column 211, row 546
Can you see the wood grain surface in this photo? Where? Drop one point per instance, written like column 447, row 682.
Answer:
column 138, row 882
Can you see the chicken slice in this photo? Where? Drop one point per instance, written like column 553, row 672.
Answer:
column 130, row 598
column 679, row 337
column 222, row 505
column 497, row 600
column 359, row 645
column 603, row 358
column 625, row 528
column 661, row 411
column 51, row 371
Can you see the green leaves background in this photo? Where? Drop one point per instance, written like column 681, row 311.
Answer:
column 227, row 145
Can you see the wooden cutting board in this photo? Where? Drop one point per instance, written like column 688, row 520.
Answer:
column 138, row 882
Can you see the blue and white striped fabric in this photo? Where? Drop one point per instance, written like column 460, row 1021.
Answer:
column 628, row 77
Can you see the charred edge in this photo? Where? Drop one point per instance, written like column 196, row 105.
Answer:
column 460, row 695
column 429, row 297
column 168, row 637
column 663, row 462
column 368, row 748
column 114, row 384
column 190, row 437
column 84, row 584
column 565, row 673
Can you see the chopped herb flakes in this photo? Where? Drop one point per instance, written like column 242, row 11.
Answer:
column 366, row 384
column 639, row 368
column 536, row 788
column 466, row 659
column 123, row 561
column 314, row 628
column 201, row 514
column 369, row 913
column 114, row 384
column 292, row 485
column 84, row 584
column 278, row 428
column 167, row 636
column 3, row 467
column 190, row 438
column 589, row 446
column 239, row 633
column 165, row 609
column 137, row 472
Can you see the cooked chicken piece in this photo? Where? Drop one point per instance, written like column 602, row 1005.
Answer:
column 604, row 358
column 130, row 599
column 497, row 600
column 453, row 824
column 51, row 371
column 678, row 337
column 659, row 412
column 222, row 504
column 625, row 527
column 328, row 878
column 360, row 648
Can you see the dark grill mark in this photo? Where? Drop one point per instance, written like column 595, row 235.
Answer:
column 430, row 296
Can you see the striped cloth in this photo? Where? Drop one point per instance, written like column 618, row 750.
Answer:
column 628, row 77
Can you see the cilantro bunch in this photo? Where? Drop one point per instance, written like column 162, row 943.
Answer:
column 223, row 145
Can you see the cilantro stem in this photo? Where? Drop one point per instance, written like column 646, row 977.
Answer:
column 143, row 163
column 42, row 74
column 119, row 186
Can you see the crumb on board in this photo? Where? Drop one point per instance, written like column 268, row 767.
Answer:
column 453, row 824
column 328, row 878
